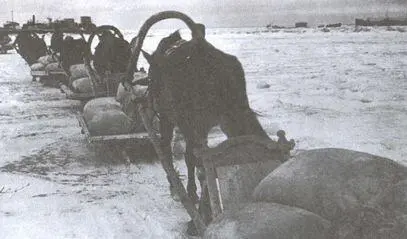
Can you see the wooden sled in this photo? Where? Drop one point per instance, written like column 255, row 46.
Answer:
column 54, row 78
column 84, row 97
column 143, row 136
column 240, row 151
column 120, row 138
column 50, row 77
column 121, row 147
column 38, row 74
column 125, row 144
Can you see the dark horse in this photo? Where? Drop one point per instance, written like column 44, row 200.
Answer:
column 196, row 86
column 30, row 46
column 111, row 54
column 72, row 52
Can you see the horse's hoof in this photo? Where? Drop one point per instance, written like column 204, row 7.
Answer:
column 174, row 195
column 191, row 230
column 194, row 197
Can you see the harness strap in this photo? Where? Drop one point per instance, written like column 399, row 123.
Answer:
column 174, row 47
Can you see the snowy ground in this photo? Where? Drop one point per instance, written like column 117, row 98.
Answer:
column 335, row 89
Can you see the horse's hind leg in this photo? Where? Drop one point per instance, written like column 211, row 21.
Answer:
column 201, row 143
column 190, row 161
column 204, row 203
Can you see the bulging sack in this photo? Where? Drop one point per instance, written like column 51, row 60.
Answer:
column 129, row 104
column 82, row 85
column 124, row 96
column 37, row 67
column 53, row 67
column 105, row 117
column 78, row 71
column 268, row 220
column 330, row 182
column 95, row 106
column 45, row 60
column 109, row 122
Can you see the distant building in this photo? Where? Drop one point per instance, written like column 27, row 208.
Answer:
column 301, row 24
column 334, row 25
column 66, row 24
column 33, row 24
column 11, row 25
column 86, row 24
column 381, row 22
column 86, row 20
column 69, row 22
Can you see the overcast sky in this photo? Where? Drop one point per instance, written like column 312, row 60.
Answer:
column 129, row 14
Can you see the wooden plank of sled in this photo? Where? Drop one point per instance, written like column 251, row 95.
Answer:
column 109, row 138
column 84, row 127
column 80, row 96
column 39, row 73
column 84, row 96
column 57, row 73
column 225, row 155
column 119, row 137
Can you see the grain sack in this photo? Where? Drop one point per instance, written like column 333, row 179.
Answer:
column 78, row 71
column 45, row 60
column 237, row 182
column 53, row 67
column 110, row 122
column 128, row 101
column 94, row 106
column 268, row 220
column 330, row 182
column 395, row 198
column 82, row 85
column 37, row 67
column 393, row 203
column 123, row 96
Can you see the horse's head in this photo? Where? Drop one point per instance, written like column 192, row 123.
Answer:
column 164, row 45
column 157, row 59
column 106, row 38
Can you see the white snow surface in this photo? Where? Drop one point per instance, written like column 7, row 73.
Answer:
column 340, row 88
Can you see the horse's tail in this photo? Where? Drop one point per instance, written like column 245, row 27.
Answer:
column 196, row 29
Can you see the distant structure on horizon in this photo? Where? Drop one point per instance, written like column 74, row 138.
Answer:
column 381, row 22
column 11, row 25
column 65, row 25
column 301, row 24
column 296, row 25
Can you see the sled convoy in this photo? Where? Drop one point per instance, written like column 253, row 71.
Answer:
column 251, row 186
column 5, row 43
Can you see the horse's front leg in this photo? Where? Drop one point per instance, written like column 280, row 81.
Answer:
column 204, row 203
column 166, row 130
column 200, row 145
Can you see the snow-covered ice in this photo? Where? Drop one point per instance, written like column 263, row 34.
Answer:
column 327, row 89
